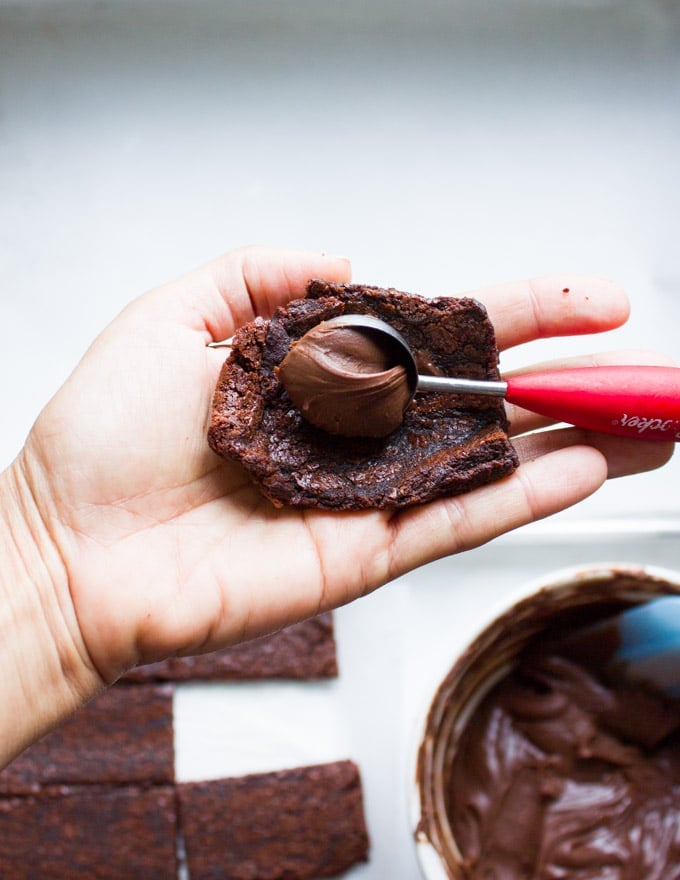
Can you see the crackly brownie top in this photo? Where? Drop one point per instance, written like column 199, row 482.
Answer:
column 297, row 824
column 446, row 444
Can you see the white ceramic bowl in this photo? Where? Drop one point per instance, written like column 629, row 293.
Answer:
column 481, row 660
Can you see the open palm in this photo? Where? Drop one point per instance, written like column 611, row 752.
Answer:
column 168, row 549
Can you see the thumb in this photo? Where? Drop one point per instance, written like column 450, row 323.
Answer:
column 217, row 298
column 254, row 281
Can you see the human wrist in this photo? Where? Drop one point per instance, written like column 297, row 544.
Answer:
column 46, row 672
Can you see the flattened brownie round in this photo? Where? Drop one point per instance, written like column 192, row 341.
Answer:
column 447, row 443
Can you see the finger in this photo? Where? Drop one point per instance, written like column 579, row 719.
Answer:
column 521, row 420
column 383, row 546
column 553, row 305
column 219, row 297
column 535, row 490
column 624, row 456
column 255, row 281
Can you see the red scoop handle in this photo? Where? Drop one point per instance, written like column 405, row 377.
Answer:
column 642, row 402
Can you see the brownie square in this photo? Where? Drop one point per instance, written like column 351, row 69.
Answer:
column 289, row 825
column 447, row 443
column 89, row 833
column 303, row 651
column 125, row 734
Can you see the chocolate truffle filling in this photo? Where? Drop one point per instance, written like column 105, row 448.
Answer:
column 564, row 768
column 344, row 381
column 556, row 777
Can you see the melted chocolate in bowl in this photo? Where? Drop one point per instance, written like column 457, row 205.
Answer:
column 530, row 769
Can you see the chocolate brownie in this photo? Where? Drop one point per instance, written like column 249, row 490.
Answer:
column 89, row 833
column 289, row 825
column 304, row 650
column 123, row 735
column 447, row 443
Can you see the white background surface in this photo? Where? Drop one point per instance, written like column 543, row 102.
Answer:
column 441, row 145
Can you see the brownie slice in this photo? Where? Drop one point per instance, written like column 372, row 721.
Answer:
column 123, row 735
column 302, row 651
column 290, row 825
column 447, row 444
column 89, row 833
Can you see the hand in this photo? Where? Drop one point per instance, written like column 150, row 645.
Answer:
column 133, row 541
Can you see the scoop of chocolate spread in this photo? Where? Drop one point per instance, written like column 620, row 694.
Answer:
column 344, row 381
column 562, row 774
